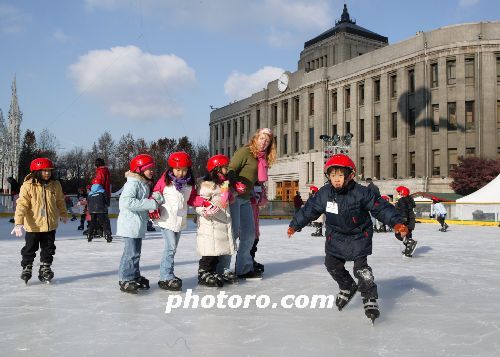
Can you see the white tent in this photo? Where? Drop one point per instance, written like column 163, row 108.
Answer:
column 484, row 204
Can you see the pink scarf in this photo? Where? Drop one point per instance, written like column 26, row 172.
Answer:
column 262, row 166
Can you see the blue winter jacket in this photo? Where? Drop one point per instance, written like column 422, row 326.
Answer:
column 348, row 224
column 134, row 205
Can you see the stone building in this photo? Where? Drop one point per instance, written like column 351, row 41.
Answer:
column 413, row 107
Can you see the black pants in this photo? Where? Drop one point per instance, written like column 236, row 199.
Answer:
column 254, row 249
column 441, row 219
column 99, row 220
column 44, row 240
column 209, row 263
column 362, row 271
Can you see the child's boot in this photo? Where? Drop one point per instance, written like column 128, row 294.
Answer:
column 130, row 286
column 209, row 279
column 174, row 284
column 371, row 308
column 410, row 246
column 143, row 283
column 26, row 273
column 344, row 296
column 45, row 274
column 108, row 237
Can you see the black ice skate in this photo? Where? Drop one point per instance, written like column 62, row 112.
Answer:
column 257, row 266
column 130, row 286
column 344, row 296
column 251, row 275
column 45, row 274
column 371, row 309
column 444, row 227
column 26, row 273
column 143, row 282
column 319, row 229
column 210, row 279
column 90, row 237
column 108, row 237
column 410, row 246
column 174, row 284
column 230, row 277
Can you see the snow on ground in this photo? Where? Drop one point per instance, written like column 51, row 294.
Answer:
column 443, row 302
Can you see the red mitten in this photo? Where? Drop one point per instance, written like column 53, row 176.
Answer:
column 240, row 187
column 154, row 214
column 290, row 231
column 210, row 211
column 401, row 229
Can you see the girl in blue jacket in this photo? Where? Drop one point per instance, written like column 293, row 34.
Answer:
column 134, row 206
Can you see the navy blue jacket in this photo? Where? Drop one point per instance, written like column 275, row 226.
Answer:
column 348, row 232
column 405, row 206
column 98, row 203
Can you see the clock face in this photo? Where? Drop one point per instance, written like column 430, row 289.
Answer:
column 283, row 82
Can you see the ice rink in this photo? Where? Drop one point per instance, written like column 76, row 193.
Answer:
column 443, row 302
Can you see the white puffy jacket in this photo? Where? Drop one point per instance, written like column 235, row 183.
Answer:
column 173, row 213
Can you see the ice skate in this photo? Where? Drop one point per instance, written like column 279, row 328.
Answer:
column 257, row 266
column 108, row 237
column 210, row 279
column 45, row 274
column 371, row 309
column 130, row 286
column 174, row 284
column 81, row 227
column 410, row 246
column 143, row 283
column 26, row 273
column 229, row 277
column 319, row 229
column 90, row 237
column 251, row 275
column 344, row 296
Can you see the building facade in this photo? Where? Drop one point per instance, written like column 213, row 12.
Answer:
column 412, row 107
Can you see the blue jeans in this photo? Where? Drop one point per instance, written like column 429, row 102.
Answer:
column 167, row 261
column 129, row 264
column 241, row 217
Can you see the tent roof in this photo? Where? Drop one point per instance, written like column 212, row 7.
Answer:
column 445, row 197
column 489, row 193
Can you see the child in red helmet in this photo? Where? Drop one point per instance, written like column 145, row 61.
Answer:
column 176, row 185
column 349, row 230
column 406, row 207
column 39, row 207
column 134, row 205
column 214, row 236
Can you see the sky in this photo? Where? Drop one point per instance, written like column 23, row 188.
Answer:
column 154, row 68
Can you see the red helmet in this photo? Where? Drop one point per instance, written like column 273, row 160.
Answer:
column 313, row 189
column 403, row 191
column 141, row 163
column 340, row 160
column 217, row 161
column 41, row 163
column 179, row 159
column 387, row 198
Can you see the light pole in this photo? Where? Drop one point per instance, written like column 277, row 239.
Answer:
column 336, row 144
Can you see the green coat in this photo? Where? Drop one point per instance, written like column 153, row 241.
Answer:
column 243, row 168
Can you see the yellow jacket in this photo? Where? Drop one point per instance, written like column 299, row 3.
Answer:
column 40, row 205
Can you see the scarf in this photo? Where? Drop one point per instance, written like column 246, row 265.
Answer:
column 179, row 183
column 262, row 166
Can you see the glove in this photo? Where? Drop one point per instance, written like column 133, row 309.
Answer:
column 240, row 187
column 290, row 231
column 401, row 229
column 210, row 211
column 154, row 214
column 18, row 230
column 158, row 197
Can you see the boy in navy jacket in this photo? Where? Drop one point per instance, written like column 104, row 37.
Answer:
column 349, row 230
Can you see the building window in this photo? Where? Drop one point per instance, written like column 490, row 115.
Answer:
column 393, row 86
column 274, row 114
column 296, row 146
column 222, row 151
column 394, row 124
column 334, row 129
column 434, row 75
column 235, row 131
column 311, row 103
column 361, row 94
column 285, row 144
column 498, row 69
column 347, row 97
column 469, row 71
column 451, row 76
column 469, row 115
column 452, row 116
column 242, row 127
column 411, row 80
column 436, row 171
column 257, row 121
column 452, row 159
column 311, row 138
column 498, row 114
column 285, row 112
column 296, row 108
column 228, row 131
column 361, row 130
column 435, row 118
column 362, row 166
column 347, row 127
column 470, row 152
column 377, row 166
column 394, row 165
column 412, row 163
column 222, row 131
column 312, row 171
column 334, row 102
column 376, row 90
column 308, row 172
column 412, row 121
column 216, row 132
column 377, row 127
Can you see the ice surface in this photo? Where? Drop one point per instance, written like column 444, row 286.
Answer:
column 443, row 302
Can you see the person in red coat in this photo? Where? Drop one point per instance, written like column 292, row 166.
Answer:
column 102, row 175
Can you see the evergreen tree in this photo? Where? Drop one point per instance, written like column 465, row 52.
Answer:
column 29, row 151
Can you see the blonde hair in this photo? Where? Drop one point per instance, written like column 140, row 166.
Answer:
column 271, row 149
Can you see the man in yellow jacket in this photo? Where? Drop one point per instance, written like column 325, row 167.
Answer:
column 39, row 208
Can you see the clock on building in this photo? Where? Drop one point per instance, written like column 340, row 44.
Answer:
column 283, row 82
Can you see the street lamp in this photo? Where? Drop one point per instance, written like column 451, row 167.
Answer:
column 336, row 144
